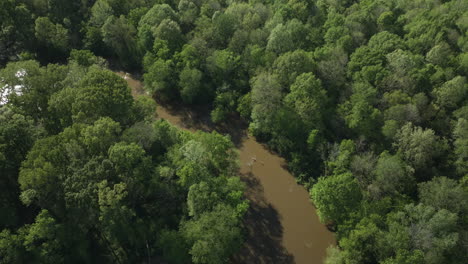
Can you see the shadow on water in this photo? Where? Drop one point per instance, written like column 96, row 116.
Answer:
column 197, row 117
column 264, row 232
column 192, row 117
column 281, row 225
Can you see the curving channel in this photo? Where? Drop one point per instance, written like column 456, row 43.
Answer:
column 282, row 224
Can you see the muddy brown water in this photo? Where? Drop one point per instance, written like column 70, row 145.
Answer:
column 282, row 224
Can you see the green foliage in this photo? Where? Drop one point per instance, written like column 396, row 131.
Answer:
column 115, row 218
column 341, row 159
column 331, row 67
column 334, row 256
column 307, row 98
column 144, row 108
column 392, row 176
column 11, row 247
column 38, row 173
column 188, row 11
column 444, row 193
column 360, row 246
column 461, row 144
column 17, row 135
column 440, row 55
column 336, row 197
column 418, row 147
column 106, row 183
column 174, row 247
column 51, row 35
column 225, row 104
column 157, row 14
column 421, row 227
column 222, row 65
column 327, row 84
column 17, row 27
column 100, row 11
column 452, row 93
column 406, row 257
column 359, row 112
column 245, row 106
column 150, row 21
column 158, row 79
column 203, row 234
column 43, row 239
column 102, row 93
column 288, row 37
column 224, row 25
column 387, row 21
column 292, row 64
column 190, row 83
column 189, row 56
column 169, row 31
column 205, row 196
column 374, row 52
column 280, row 40
column 101, row 135
column 266, row 98
column 33, row 84
column 119, row 35
column 84, row 58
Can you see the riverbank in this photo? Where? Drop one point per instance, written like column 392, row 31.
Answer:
column 282, row 224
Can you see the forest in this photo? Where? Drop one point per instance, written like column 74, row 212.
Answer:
column 367, row 100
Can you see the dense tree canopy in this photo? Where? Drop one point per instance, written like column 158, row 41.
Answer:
column 86, row 168
column 367, row 101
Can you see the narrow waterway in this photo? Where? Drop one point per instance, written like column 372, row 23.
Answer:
column 282, row 224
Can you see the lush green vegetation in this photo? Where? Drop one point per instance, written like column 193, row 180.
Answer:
column 367, row 100
column 89, row 176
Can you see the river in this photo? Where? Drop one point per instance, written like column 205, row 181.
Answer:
column 282, row 224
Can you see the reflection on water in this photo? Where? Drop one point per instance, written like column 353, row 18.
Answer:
column 282, row 225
